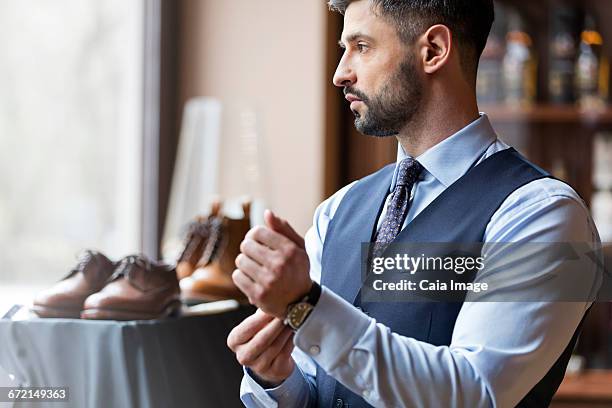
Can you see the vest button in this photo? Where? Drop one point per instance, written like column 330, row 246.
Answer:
column 339, row 403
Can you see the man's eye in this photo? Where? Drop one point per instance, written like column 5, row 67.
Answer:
column 362, row 47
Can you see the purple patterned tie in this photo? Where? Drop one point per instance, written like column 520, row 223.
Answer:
column 397, row 209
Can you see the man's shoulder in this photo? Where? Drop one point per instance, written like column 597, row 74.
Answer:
column 544, row 210
column 542, row 192
column 546, row 191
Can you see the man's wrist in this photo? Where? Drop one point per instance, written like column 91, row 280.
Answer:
column 298, row 312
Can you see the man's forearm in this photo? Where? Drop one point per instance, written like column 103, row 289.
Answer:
column 387, row 369
column 384, row 368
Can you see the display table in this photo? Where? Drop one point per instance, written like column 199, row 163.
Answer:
column 181, row 362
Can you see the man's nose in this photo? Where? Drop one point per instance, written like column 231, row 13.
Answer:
column 344, row 76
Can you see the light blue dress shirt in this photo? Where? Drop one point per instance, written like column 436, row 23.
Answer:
column 499, row 350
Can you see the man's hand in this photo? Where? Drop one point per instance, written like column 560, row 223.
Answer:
column 273, row 268
column 264, row 344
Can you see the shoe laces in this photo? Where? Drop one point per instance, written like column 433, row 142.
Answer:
column 196, row 232
column 127, row 264
column 216, row 242
column 82, row 259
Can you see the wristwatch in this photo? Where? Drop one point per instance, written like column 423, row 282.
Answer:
column 299, row 311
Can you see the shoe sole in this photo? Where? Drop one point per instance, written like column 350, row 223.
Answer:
column 172, row 309
column 56, row 312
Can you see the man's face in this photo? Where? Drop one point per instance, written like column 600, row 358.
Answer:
column 378, row 73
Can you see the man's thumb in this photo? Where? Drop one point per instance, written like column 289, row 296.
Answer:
column 281, row 226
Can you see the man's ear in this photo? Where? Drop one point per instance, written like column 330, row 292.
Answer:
column 435, row 48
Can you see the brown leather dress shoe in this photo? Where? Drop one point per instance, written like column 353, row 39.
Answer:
column 65, row 299
column 212, row 279
column 138, row 290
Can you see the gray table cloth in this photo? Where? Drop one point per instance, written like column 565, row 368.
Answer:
column 181, row 362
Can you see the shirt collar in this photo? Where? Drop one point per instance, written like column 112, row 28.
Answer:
column 452, row 158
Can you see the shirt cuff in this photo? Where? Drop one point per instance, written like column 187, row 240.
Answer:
column 292, row 392
column 331, row 330
column 252, row 393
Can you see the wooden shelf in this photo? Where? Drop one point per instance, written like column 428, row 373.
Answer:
column 592, row 385
column 554, row 114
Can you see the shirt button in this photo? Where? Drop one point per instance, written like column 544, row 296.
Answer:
column 339, row 403
column 314, row 350
column 366, row 394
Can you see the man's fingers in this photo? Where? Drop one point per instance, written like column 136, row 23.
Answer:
column 247, row 265
column 268, row 356
column 288, row 347
column 282, row 226
column 268, row 237
column 255, row 250
column 244, row 283
column 267, row 335
column 247, row 354
column 248, row 328
column 284, row 356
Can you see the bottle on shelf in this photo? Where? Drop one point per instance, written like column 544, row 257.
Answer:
column 563, row 50
column 519, row 66
column 489, row 85
column 592, row 68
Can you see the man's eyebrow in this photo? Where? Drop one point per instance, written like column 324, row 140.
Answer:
column 354, row 37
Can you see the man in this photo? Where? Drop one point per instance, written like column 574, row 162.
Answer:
column 409, row 71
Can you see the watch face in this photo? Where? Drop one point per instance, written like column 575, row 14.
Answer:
column 298, row 313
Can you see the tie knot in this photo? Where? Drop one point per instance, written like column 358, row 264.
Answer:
column 409, row 172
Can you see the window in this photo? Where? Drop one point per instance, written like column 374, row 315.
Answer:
column 71, row 74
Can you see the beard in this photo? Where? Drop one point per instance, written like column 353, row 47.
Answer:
column 394, row 106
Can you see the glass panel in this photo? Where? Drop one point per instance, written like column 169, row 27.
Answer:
column 70, row 135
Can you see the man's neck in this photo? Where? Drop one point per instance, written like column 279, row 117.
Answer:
column 435, row 124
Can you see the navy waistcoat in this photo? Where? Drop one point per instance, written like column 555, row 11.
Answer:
column 459, row 214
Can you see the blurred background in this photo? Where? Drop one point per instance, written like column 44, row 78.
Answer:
column 93, row 97
column 121, row 120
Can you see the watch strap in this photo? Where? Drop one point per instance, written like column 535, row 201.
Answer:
column 314, row 294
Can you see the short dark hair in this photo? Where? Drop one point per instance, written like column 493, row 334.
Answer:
column 470, row 22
